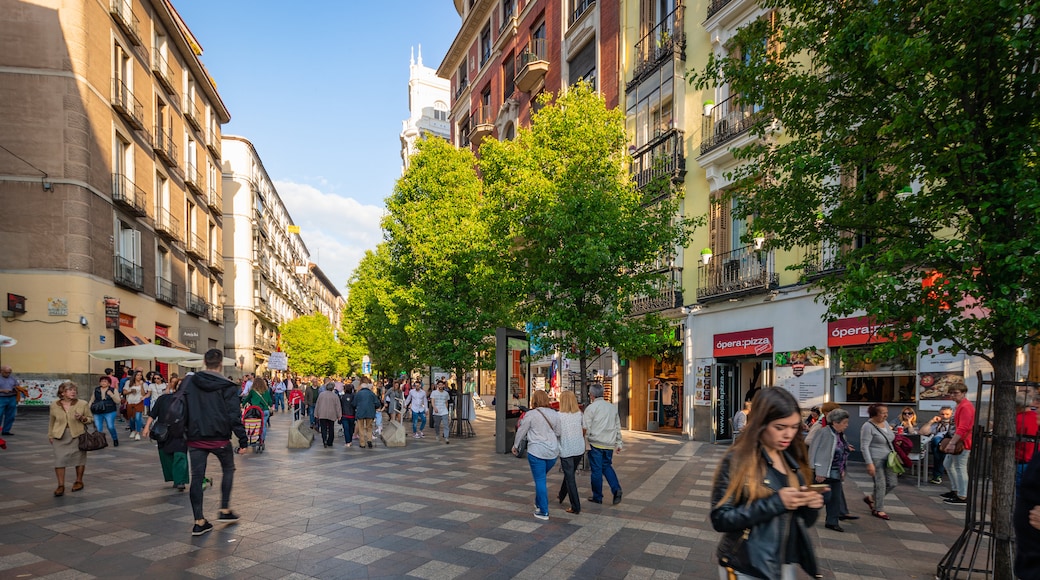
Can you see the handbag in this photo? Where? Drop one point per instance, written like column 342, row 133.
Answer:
column 895, row 463
column 952, row 448
column 92, row 440
column 521, row 449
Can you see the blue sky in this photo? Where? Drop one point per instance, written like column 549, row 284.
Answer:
column 320, row 87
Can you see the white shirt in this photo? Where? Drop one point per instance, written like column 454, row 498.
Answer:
column 417, row 400
column 440, row 398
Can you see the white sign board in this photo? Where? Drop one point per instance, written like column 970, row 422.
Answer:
column 278, row 361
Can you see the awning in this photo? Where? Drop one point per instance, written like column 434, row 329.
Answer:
column 173, row 343
column 133, row 336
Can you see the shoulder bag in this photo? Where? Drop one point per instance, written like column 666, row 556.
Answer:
column 92, row 440
column 950, row 448
column 893, row 461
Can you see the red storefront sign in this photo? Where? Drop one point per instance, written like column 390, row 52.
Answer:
column 744, row 343
column 854, row 331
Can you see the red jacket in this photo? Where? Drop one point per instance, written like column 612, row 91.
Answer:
column 1025, row 424
column 964, row 420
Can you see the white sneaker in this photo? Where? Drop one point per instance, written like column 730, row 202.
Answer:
column 137, row 436
column 422, row 435
column 540, row 515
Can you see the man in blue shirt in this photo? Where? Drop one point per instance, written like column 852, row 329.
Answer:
column 9, row 387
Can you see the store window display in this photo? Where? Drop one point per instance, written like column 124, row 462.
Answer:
column 861, row 378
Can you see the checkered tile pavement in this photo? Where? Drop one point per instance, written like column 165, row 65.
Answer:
column 427, row 510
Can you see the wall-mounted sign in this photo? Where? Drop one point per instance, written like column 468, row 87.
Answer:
column 744, row 343
column 57, row 307
column 803, row 374
column 16, row 303
column 855, row 331
column 111, row 313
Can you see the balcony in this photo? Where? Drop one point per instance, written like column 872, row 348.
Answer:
column 125, row 18
column 483, row 125
column 715, row 6
column 664, row 156
column 727, row 121
column 580, row 7
column 127, row 105
column 161, row 68
column 822, row 260
column 193, row 179
column 663, row 42
column 216, row 262
column 261, row 227
column 197, row 305
column 262, row 308
column 165, row 291
column 670, row 297
column 213, row 200
column 531, row 65
column 213, row 144
column 126, row 194
column 463, row 85
column 195, row 246
column 128, row 274
column 164, row 146
column 167, row 225
column 742, row 272
column 192, row 114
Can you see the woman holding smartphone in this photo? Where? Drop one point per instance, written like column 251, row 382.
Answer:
column 761, row 501
column 828, row 455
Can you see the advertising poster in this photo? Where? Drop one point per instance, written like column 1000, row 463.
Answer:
column 938, row 368
column 803, row 374
column 40, row 393
column 111, row 313
column 702, row 383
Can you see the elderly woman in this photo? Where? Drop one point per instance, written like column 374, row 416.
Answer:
column 68, row 418
column 329, row 411
column 828, row 456
column 541, row 427
column 875, row 437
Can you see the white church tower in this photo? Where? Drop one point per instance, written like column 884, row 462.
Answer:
column 428, row 100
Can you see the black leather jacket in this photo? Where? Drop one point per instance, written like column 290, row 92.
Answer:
column 1027, row 538
column 776, row 536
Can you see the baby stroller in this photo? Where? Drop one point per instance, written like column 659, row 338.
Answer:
column 253, row 421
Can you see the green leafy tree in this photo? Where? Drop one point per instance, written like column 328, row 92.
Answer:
column 310, row 344
column 442, row 257
column 584, row 241
column 860, row 99
column 373, row 318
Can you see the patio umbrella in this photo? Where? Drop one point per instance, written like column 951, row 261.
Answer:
column 7, row 341
column 199, row 363
column 150, row 351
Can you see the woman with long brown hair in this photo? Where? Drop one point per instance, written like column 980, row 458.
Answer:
column 761, row 501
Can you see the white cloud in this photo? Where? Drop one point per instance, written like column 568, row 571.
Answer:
column 337, row 230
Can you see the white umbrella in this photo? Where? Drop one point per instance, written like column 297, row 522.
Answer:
column 7, row 341
column 150, row 351
column 199, row 363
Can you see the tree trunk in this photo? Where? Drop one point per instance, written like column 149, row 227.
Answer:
column 1003, row 458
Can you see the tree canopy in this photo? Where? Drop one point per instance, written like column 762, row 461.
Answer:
column 311, row 345
column 584, row 242
column 373, row 316
column 901, row 139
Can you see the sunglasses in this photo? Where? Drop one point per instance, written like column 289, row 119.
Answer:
column 908, row 414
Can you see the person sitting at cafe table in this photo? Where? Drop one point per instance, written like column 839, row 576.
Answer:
column 938, row 428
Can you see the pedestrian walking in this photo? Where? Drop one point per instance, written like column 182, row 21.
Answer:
column 439, row 399
column 173, row 451
column 68, row 418
column 213, row 416
column 572, row 448
column 310, row 397
column 603, row 428
column 417, row 405
column 104, row 405
column 365, row 405
column 134, row 393
column 876, row 437
column 760, row 499
column 346, row 402
column 540, row 426
column 329, row 410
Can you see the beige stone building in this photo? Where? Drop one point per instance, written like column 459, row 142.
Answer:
column 110, row 191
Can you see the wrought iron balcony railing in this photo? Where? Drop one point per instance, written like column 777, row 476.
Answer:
column 126, row 104
column 726, row 121
column 165, row 291
column 164, row 145
column 579, row 8
column 216, row 262
column 664, row 41
column 213, row 143
column 197, row 305
column 128, row 274
column 741, row 272
column 193, row 179
column 193, row 114
column 161, row 68
column 126, row 193
column 531, row 65
column 126, row 19
column 715, row 6
column 463, row 85
column 195, row 246
column 822, row 260
column 483, row 121
column 663, row 156
column 213, row 199
column 166, row 224
column 668, row 296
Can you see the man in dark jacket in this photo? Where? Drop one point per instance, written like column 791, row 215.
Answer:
column 1027, row 523
column 310, row 398
column 365, row 404
column 213, row 406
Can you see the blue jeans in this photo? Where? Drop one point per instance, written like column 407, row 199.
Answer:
column 279, row 401
column 8, row 410
column 957, row 469
column 539, row 468
column 420, row 418
column 348, row 429
column 109, row 420
column 601, row 466
column 136, row 423
column 310, row 413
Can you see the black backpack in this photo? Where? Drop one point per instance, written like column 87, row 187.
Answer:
column 170, row 425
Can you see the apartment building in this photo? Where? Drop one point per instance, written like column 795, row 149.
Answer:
column 428, row 101
column 109, row 148
column 509, row 52
column 325, row 298
column 267, row 261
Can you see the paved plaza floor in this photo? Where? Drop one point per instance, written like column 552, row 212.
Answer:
column 427, row 510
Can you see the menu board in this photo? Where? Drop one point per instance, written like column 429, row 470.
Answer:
column 803, row 374
column 702, row 383
column 938, row 369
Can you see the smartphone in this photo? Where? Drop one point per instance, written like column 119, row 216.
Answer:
column 819, row 487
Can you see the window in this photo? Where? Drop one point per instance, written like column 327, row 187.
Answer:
column 440, row 111
column 189, row 221
column 651, row 107
column 162, row 196
column 462, row 77
column 861, row 378
column 122, row 75
column 163, row 264
column 212, row 249
column 583, row 66
column 463, row 132
column 508, row 10
column 538, row 32
column 128, row 243
column 190, row 157
column 485, row 106
column 485, row 44
column 508, row 77
column 123, row 160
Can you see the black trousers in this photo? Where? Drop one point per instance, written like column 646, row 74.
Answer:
column 569, row 487
column 834, row 501
column 328, row 431
column 198, row 458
